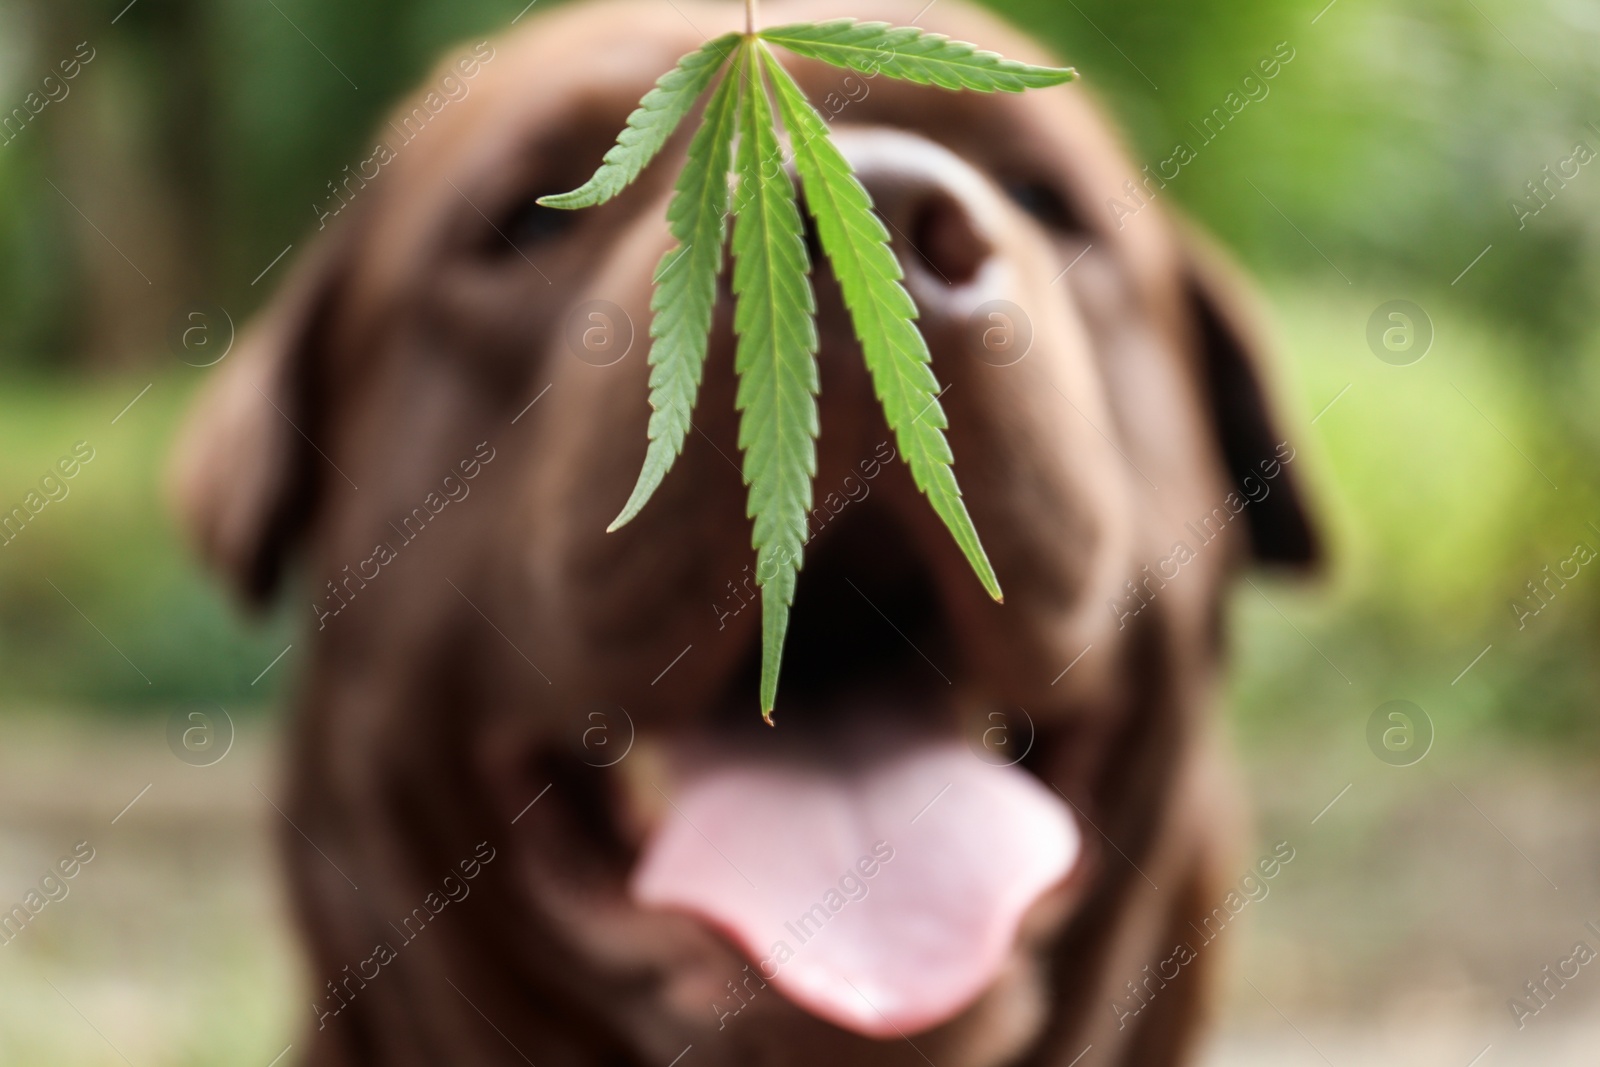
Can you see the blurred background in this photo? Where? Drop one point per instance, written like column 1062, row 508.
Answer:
column 1439, row 154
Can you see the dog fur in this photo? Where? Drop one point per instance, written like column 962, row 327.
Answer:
column 426, row 334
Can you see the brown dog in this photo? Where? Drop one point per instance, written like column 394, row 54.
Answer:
column 537, row 818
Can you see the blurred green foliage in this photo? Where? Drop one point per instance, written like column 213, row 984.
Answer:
column 1395, row 140
column 103, row 604
column 1381, row 161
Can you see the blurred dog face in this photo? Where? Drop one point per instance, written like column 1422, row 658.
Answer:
column 949, row 847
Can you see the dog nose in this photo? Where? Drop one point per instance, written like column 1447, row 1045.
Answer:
column 941, row 212
column 942, row 235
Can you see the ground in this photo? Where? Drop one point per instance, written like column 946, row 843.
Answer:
column 1409, row 916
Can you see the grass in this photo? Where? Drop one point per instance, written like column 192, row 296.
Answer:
column 104, row 606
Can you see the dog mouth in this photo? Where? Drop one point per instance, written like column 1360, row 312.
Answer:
column 875, row 866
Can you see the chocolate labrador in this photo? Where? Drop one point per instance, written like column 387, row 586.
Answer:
column 536, row 816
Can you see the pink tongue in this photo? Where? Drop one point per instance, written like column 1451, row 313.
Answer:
column 884, row 896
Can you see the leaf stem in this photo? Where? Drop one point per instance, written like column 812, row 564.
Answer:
column 750, row 16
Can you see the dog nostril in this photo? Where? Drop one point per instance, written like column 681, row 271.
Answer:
column 943, row 235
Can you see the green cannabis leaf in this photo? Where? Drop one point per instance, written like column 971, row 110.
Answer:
column 910, row 54
column 869, row 277
column 775, row 318
column 686, row 291
column 775, row 307
column 650, row 125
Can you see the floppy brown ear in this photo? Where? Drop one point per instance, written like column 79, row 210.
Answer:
column 245, row 477
column 1234, row 356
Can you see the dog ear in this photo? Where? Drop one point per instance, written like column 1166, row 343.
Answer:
column 1234, row 351
column 245, row 475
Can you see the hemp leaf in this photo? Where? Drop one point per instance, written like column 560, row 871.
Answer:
column 869, row 277
column 686, row 291
column 775, row 307
column 657, row 115
column 775, row 318
column 912, row 55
